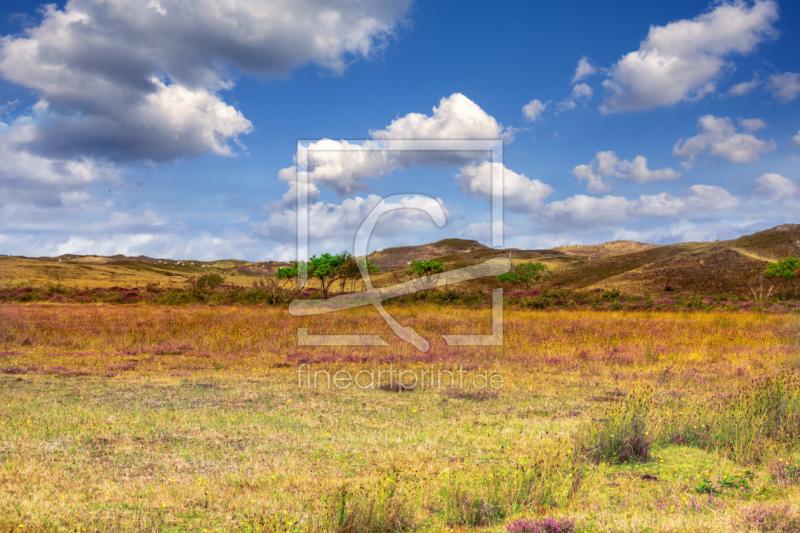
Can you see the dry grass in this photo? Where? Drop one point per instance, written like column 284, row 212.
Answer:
column 143, row 418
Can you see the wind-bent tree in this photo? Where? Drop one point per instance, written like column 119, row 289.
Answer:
column 327, row 269
column 527, row 274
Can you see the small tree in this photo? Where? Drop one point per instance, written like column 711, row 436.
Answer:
column 527, row 274
column 787, row 270
column 351, row 272
column 327, row 269
column 427, row 272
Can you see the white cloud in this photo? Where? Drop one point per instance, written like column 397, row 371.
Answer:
column 581, row 91
column 785, row 87
column 343, row 167
column 684, row 59
column 456, row 117
column 746, row 87
column 30, row 178
column 775, row 187
column 753, row 124
column 581, row 210
column 533, row 110
column 128, row 80
column 341, row 221
column 718, row 135
column 796, row 139
column 481, row 231
column 686, row 231
column 699, row 199
column 607, row 164
column 522, row 194
column 583, row 70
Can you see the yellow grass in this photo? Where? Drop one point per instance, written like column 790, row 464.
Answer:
column 203, row 425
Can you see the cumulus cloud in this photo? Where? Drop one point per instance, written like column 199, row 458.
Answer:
column 344, row 167
column 775, row 187
column 135, row 81
column 533, row 110
column 332, row 221
column 784, row 87
column 583, row 70
column 522, row 194
column 719, row 137
column 699, row 199
column 456, row 117
column 796, row 139
column 582, row 210
column 684, row 59
column 607, row 164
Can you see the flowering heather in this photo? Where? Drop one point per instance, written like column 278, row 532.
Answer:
column 771, row 518
column 541, row 525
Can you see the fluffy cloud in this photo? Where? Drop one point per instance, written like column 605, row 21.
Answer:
column 718, row 135
column 344, row 167
column 796, row 139
column 27, row 177
column 581, row 210
column 583, row 70
column 533, row 110
column 129, row 80
column 456, row 117
column 775, row 187
column 784, row 87
column 607, row 164
column 580, row 91
column 684, row 59
column 522, row 194
column 699, row 199
column 341, row 221
column 481, row 231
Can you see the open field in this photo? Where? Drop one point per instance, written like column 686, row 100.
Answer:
column 158, row 418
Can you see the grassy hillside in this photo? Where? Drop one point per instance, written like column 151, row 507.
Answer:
column 630, row 267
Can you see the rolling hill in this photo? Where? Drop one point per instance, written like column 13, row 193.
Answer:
column 631, row 267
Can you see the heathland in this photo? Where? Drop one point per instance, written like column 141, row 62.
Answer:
column 624, row 407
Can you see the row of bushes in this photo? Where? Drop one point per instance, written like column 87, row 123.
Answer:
column 271, row 294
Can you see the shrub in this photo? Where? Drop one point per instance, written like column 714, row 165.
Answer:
column 619, row 435
column 526, row 274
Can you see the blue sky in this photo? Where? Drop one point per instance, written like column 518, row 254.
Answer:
column 163, row 127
